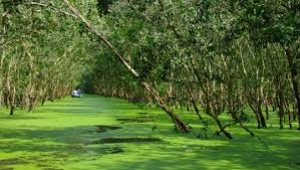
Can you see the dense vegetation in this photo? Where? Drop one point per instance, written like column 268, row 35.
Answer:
column 210, row 56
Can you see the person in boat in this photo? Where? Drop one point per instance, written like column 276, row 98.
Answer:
column 76, row 93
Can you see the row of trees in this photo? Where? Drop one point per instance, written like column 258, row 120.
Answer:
column 43, row 55
column 214, row 56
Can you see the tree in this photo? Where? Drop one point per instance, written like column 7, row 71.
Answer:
column 275, row 22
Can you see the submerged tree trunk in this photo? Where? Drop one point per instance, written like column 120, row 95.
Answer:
column 181, row 125
column 221, row 127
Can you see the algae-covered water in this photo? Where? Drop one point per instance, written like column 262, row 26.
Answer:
column 93, row 132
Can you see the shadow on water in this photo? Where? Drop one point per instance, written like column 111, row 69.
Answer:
column 12, row 161
column 126, row 140
column 104, row 150
column 57, row 146
column 142, row 117
column 135, row 120
column 104, row 128
column 51, row 145
column 15, row 117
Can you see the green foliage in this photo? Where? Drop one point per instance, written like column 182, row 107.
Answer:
column 271, row 21
column 103, row 6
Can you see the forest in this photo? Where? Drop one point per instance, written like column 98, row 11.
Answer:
column 212, row 57
column 234, row 65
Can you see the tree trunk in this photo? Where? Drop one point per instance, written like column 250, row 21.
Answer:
column 222, row 129
column 257, row 116
column 194, row 103
column 234, row 116
column 196, row 109
column 281, row 115
column 181, row 125
column 294, row 112
column 290, row 119
column 262, row 118
column 294, row 74
column 247, row 129
column 267, row 111
column 12, row 109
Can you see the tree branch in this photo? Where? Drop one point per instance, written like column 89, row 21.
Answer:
column 51, row 8
column 103, row 39
column 177, row 35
